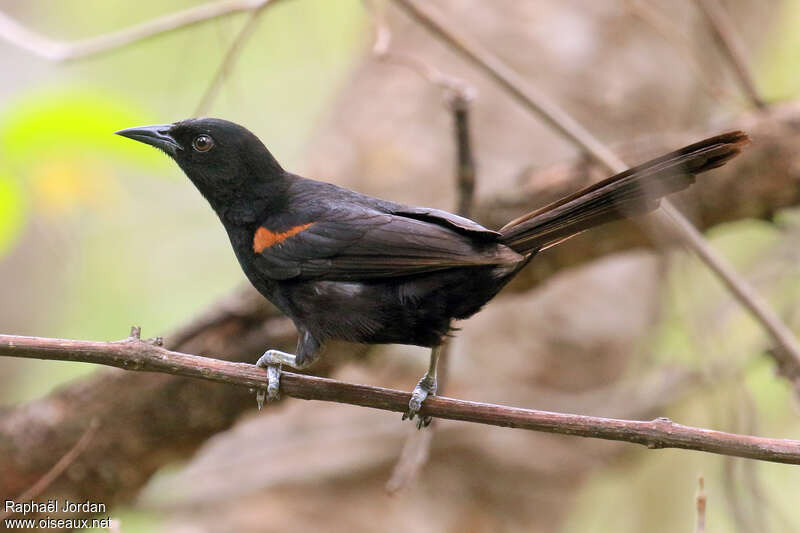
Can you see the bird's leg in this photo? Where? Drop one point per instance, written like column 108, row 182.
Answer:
column 307, row 352
column 426, row 386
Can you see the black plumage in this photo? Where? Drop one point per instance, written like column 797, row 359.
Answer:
column 343, row 265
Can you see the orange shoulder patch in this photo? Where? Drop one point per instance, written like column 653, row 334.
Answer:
column 265, row 238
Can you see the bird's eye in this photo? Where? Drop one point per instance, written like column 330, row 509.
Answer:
column 203, row 143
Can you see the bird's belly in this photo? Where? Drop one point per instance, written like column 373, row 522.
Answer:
column 415, row 310
column 371, row 313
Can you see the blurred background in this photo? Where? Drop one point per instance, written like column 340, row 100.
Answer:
column 98, row 233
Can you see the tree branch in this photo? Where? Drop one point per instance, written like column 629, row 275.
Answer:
column 228, row 61
column 135, row 354
column 669, row 30
column 416, row 450
column 381, row 50
column 129, row 405
column 62, row 464
column 732, row 47
column 540, row 105
column 53, row 50
column 757, row 186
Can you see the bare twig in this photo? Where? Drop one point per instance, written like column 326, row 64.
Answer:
column 750, row 510
column 458, row 94
column 653, row 17
column 62, row 464
column 701, row 506
column 417, row 447
column 465, row 161
column 732, row 46
column 434, row 76
column 27, row 39
column 135, row 354
column 414, row 456
column 228, row 62
column 240, row 326
column 539, row 104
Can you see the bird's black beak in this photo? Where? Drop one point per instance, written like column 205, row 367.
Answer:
column 157, row 136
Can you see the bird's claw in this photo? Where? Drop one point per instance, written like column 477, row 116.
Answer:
column 424, row 388
column 272, row 390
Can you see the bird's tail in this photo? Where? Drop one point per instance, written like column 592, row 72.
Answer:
column 633, row 192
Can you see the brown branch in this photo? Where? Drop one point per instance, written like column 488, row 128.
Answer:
column 53, row 50
column 139, row 435
column 240, row 326
column 62, row 464
column 458, row 94
column 434, row 76
column 732, row 47
column 135, row 354
column 540, row 105
column 465, row 161
column 756, row 186
column 138, row 430
column 416, row 450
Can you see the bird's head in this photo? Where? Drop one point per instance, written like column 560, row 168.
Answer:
column 223, row 159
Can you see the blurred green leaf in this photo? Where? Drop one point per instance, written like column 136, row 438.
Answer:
column 69, row 121
column 13, row 208
column 777, row 70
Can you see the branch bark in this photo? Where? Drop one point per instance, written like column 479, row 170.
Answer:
column 61, row 465
column 540, row 105
column 59, row 51
column 130, row 405
column 139, row 435
column 138, row 355
column 732, row 47
column 757, row 186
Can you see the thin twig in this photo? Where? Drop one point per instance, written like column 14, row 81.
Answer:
column 229, row 60
column 62, row 464
column 381, row 51
column 416, row 450
column 701, row 506
column 665, row 27
column 732, row 46
column 465, row 160
column 414, row 456
column 537, row 103
column 53, row 50
column 458, row 94
column 750, row 510
column 139, row 355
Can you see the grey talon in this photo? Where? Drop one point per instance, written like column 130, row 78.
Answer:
column 260, row 395
column 274, row 386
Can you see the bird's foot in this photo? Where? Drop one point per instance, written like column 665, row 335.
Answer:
column 271, row 360
column 426, row 386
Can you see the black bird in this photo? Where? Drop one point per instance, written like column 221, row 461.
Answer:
column 343, row 265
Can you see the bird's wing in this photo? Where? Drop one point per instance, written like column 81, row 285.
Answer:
column 356, row 243
column 443, row 218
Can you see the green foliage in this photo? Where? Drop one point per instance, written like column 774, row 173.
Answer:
column 12, row 212
column 67, row 121
column 53, row 142
column 777, row 70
